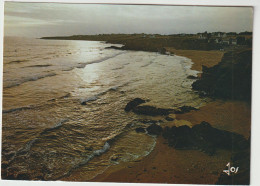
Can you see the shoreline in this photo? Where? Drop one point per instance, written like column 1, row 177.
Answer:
column 167, row 165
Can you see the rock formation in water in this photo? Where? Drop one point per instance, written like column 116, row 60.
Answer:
column 135, row 106
column 134, row 103
column 151, row 111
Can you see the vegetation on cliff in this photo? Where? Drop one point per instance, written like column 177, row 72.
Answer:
column 148, row 42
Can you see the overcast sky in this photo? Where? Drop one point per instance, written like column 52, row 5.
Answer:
column 53, row 19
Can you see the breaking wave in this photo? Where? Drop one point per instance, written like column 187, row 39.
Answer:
column 34, row 78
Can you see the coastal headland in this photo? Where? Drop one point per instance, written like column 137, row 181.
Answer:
column 228, row 111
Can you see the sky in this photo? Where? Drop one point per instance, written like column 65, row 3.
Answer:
column 57, row 19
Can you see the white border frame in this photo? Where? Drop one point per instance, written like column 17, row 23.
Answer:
column 255, row 151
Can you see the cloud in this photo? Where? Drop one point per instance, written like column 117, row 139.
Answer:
column 49, row 19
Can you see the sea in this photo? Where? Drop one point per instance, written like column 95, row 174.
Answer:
column 63, row 105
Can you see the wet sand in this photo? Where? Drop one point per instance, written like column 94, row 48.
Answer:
column 233, row 116
column 167, row 165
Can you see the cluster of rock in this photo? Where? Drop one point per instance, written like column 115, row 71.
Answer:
column 201, row 137
column 135, row 106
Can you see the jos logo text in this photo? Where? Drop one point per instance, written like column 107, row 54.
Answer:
column 231, row 170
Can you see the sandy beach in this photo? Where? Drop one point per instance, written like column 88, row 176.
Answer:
column 167, row 165
column 199, row 57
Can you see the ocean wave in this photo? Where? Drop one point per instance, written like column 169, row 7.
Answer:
column 37, row 66
column 18, row 61
column 82, row 65
column 17, row 109
column 151, row 62
column 34, row 78
column 67, row 95
column 29, row 144
column 118, row 68
column 85, row 161
column 84, row 101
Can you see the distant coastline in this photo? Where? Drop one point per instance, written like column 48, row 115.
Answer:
column 159, row 43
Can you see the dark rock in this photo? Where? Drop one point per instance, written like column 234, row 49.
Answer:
column 154, row 129
column 3, row 174
column 134, row 103
column 140, row 129
column 114, row 47
column 41, row 178
column 162, row 50
column 184, row 109
column 148, row 121
column 22, row 177
column 151, row 111
column 8, row 177
column 169, row 118
column 229, row 79
column 204, row 137
column 219, row 138
column 4, row 165
column 181, row 138
column 192, row 77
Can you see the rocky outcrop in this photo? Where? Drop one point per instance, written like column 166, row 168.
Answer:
column 151, row 111
column 154, row 129
column 134, row 103
column 149, row 121
column 140, row 130
column 184, row 109
column 21, row 176
column 114, row 47
column 192, row 77
column 230, row 79
column 169, row 118
column 204, row 137
column 148, row 110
